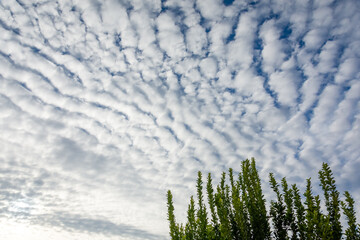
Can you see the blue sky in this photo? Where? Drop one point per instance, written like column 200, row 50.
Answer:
column 104, row 105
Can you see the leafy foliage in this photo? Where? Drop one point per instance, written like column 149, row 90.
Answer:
column 352, row 232
column 332, row 201
column 174, row 228
column 237, row 210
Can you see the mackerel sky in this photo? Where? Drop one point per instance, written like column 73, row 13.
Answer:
column 104, row 105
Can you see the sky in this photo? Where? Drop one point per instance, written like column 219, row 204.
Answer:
column 105, row 105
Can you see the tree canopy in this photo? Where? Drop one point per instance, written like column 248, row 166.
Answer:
column 237, row 210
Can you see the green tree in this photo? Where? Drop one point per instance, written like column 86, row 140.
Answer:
column 201, row 213
column 174, row 228
column 290, row 221
column 246, row 230
column 190, row 228
column 352, row 232
column 277, row 211
column 222, row 206
column 332, row 201
column 254, row 201
column 238, row 211
column 314, row 218
column 311, row 213
column 212, row 206
column 240, row 222
column 300, row 213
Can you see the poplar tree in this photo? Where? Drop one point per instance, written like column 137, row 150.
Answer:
column 332, row 201
column 290, row 222
column 246, row 230
column 222, row 206
column 277, row 211
column 174, row 228
column 352, row 232
column 211, row 201
column 190, row 228
column 201, row 213
column 255, row 202
column 300, row 213
column 310, row 215
column 238, row 211
column 314, row 218
column 240, row 221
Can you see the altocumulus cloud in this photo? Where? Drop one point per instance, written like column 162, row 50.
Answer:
column 104, row 105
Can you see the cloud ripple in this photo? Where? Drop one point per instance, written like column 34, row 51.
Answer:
column 105, row 105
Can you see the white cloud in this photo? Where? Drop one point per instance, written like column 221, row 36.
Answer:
column 284, row 83
column 348, row 70
column 243, row 42
column 314, row 38
column 328, row 57
column 151, row 5
column 344, row 118
column 144, row 27
column 324, row 110
column 106, row 105
column 209, row 67
column 170, row 37
column 217, row 36
column 322, row 16
column 211, row 9
column 272, row 53
column 196, row 39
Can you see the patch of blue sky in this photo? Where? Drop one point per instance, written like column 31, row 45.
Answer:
column 172, row 132
column 230, row 90
column 228, row 2
column 189, row 128
column 271, row 93
column 114, row 73
column 204, row 23
column 26, row 68
column 99, row 105
column 232, row 35
column 178, row 78
column 16, row 31
column 163, row 5
column 84, row 131
column 23, row 5
column 301, row 43
column 124, row 115
column 23, row 85
column 286, row 32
